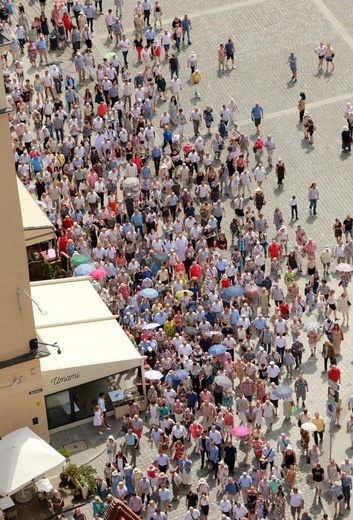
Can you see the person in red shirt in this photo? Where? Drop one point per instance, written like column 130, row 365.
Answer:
column 68, row 222
column 334, row 374
column 274, row 249
column 62, row 242
column 102, row 109
column 195, row 270
column 284, row 308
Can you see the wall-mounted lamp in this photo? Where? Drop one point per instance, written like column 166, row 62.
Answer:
column 17, row 380
column 33, row 345
column 19, row 290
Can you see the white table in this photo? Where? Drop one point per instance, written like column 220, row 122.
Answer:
column 6, row 503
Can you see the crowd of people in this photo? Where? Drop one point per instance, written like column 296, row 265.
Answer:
column 221, row 311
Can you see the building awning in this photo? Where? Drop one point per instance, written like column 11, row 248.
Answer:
column 36, row 225
column 92, row 343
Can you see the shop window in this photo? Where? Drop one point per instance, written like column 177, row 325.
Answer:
column 78, row 402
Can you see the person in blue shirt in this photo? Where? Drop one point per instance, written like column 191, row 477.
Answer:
column 292, row 59
column 213, row 457
column 36, row 163
column 156, row 154
column 167, row 138
column 191, row 399
column 229, row 47
column 137, row 221
column 257, row 114
column 186, row 26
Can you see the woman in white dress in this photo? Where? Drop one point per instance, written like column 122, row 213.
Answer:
column 153, row 415
column 98, row 419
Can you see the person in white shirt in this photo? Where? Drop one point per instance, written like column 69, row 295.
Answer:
column 269, row 413
column 245, row 180
column 175, row 87
column 296, row 502
column 239, row 511
column 320, row 51
column 192, row 514
column 347, row 466
column 260, row 174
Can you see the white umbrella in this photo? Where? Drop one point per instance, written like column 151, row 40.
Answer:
column 309, row 427
column 24, row 457
column 154, row 375
column 223, row 381
column 131, row 182
column 150, row 326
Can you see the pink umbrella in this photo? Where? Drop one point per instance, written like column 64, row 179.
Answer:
column 344, row 268
column 240, row 431
column 252, row 291
column 98, row 273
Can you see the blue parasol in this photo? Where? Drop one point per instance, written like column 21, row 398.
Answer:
column 283, row 391
column 179, row 374
column 215, row 350
column 234, row 291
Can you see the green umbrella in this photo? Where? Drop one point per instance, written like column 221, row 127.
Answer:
column 77, row 259
column 109, row 55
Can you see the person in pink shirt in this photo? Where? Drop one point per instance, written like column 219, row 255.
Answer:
column 195, row 430
column 310, row 247
column 205, row 395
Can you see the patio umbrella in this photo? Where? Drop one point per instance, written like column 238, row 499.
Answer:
column 240, row 431
column 313, row 325
column 154, row 375
column 309, row 427
column 179, row 374
column 215, row 350
column 98, row 273
column 150, row 326
column 344, row 268
column 192, row 331
column 180, row 294
column 78, row 259
column 160, row 257
column 24, row 457
column 109, row 55
column 224, row 296
column 223, row 381
column 252, row 291
column 130, row 182
column 283, row 391
column 82, row 270
column 234, row 291
column 149, row 293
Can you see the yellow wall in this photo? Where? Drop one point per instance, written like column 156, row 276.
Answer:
column 17, row 407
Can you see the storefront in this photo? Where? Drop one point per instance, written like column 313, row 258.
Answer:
column 96, row 355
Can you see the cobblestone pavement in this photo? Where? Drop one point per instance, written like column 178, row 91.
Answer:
column 264, row 33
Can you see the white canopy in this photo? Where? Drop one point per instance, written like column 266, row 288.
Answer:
column 92, row 343
column 36, row 225
column 24, row 457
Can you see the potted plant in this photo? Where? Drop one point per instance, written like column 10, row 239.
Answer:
column 72, row 472
column 64, row 477
column 65, row 453
column 48, row 271
column 87, row 480
column 58, row 272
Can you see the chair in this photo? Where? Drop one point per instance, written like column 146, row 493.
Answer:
column 11, row 513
